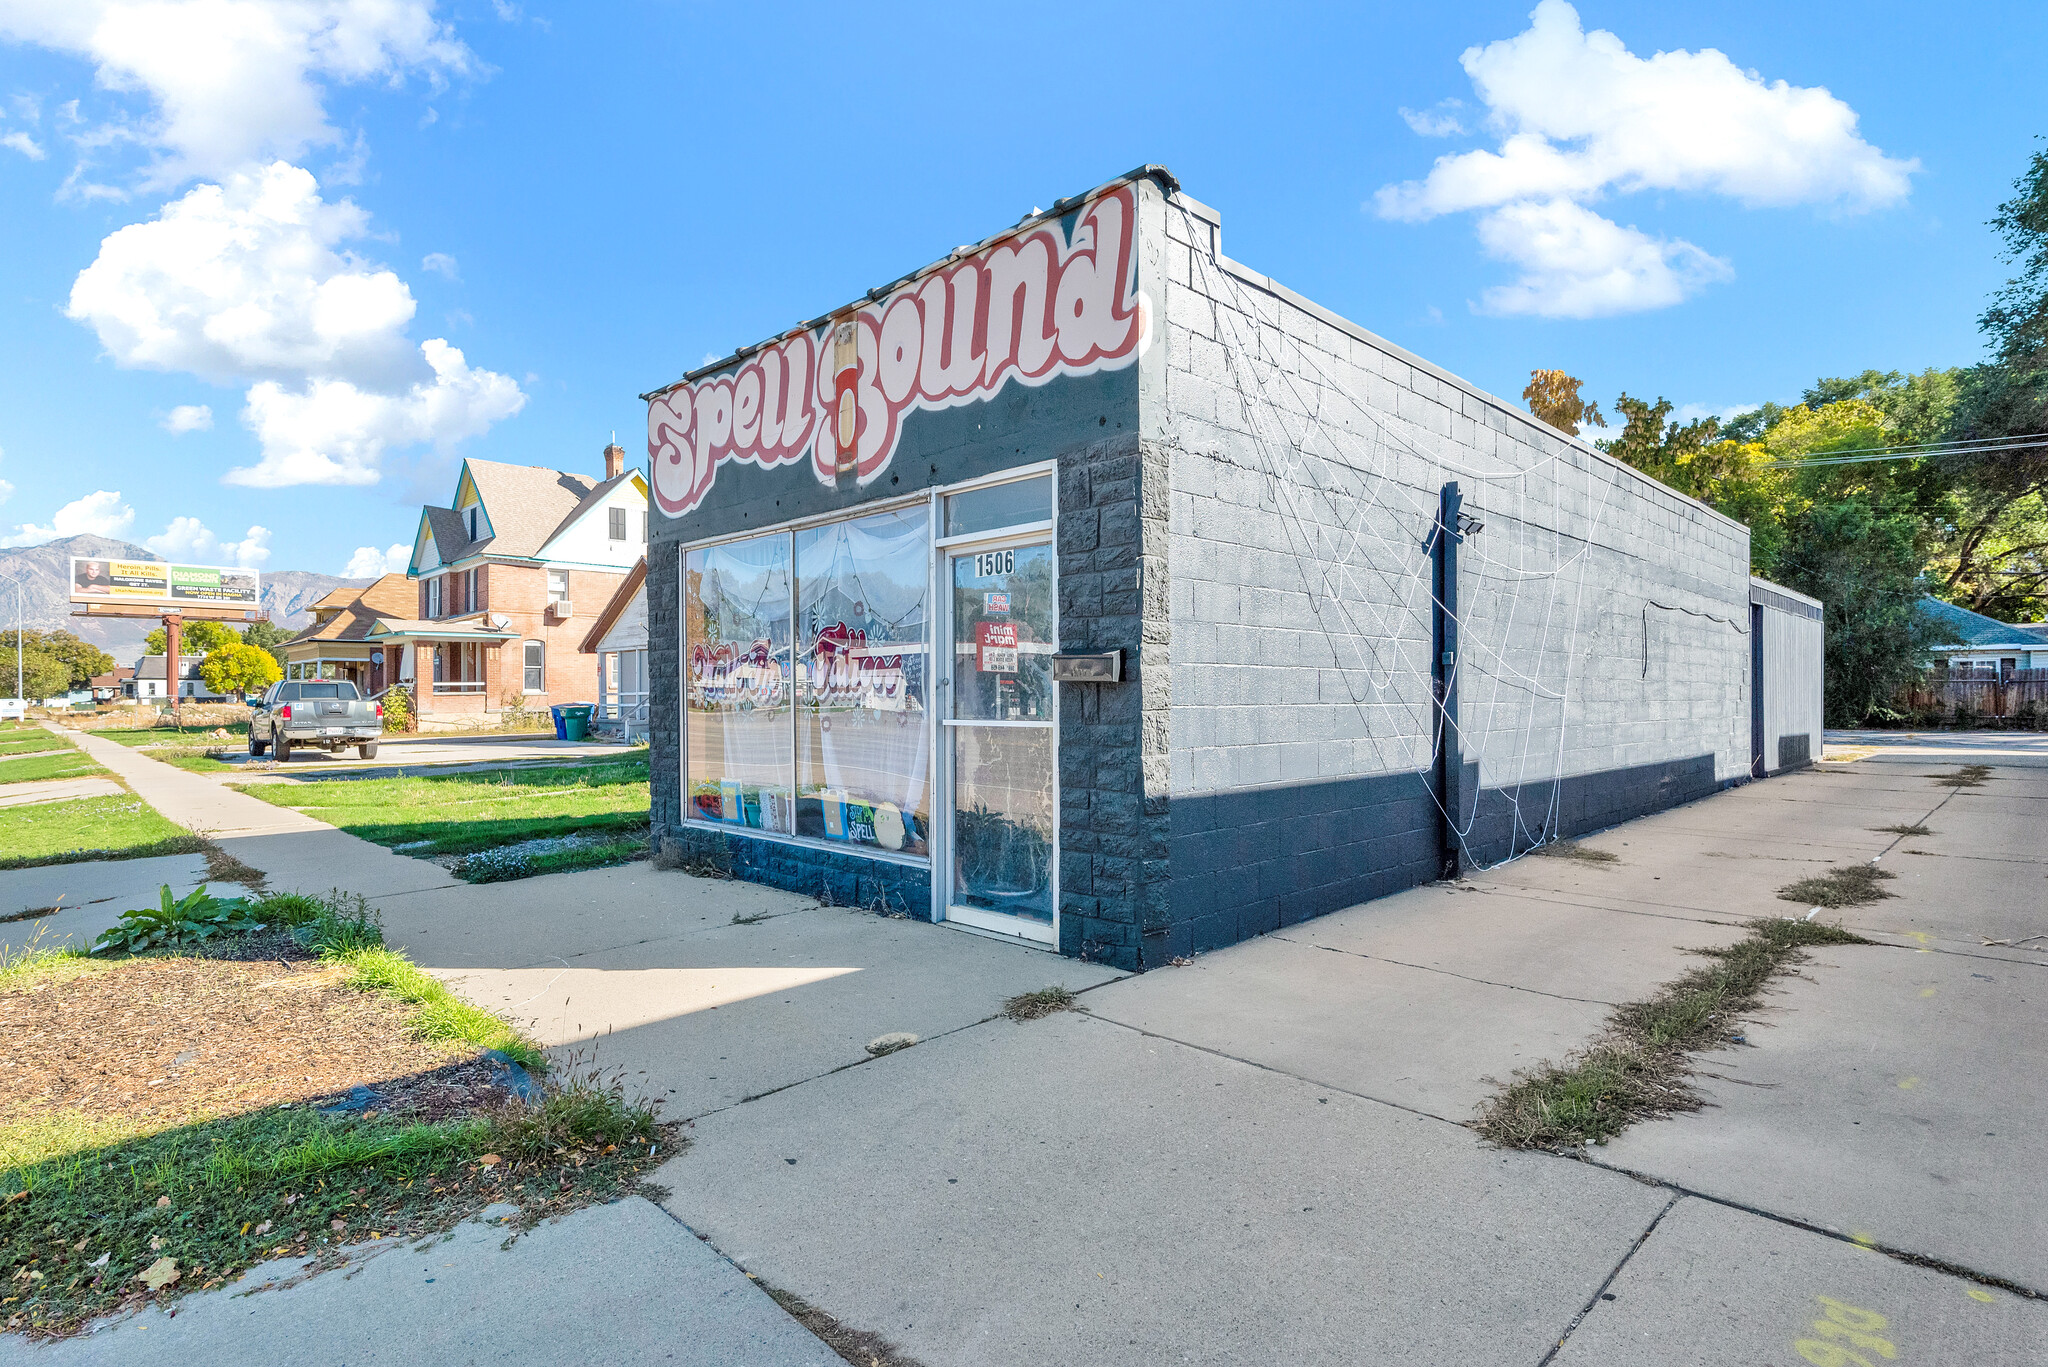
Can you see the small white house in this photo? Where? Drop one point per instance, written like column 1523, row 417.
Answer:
column 618, row 638
column 149, row 680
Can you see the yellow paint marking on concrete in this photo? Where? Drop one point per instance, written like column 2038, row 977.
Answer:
column 1908, row 1084
column 1985, row 1296
column 1927, row 991
column 1863, row 1237
column 1848, row 1324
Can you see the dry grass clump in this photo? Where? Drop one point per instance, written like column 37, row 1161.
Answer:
column 1640, row 1069
column 1854, row 886
column 1572, row 849
column 1029, row 1006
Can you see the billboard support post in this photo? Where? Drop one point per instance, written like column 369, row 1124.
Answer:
column 172, row 629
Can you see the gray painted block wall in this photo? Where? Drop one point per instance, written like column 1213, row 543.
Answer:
column 1604, row 617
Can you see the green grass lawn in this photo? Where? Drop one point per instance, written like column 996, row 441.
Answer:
column 69, row 764
column 115, row 827
column 165, row 735
column 465, row 813
column 26, row 740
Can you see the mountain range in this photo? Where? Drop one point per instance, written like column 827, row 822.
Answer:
column 45, row 575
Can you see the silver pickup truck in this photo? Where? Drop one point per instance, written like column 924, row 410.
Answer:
column 331, row 715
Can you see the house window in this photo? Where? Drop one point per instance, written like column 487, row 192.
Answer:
column 469, row 595
column 472, row 522
column 643, row 529
column 558, row 586
column 536, row 667
column 618, row 524
column 434, row 596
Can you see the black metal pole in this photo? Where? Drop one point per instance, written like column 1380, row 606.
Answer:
column 1449, row 752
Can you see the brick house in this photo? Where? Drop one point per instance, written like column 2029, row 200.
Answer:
column 337, row 645
column 505, row 580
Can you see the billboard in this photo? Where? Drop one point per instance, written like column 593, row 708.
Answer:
column 159, row 583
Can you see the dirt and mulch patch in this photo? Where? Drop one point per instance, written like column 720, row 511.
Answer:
column 1641, row 1067
column 170, row 1120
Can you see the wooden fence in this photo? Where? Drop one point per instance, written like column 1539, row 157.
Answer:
column 2018, row 696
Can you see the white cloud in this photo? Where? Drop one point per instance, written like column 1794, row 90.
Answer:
column 441, row 264
column 1576, row 264
column 187, row 539
column 101, row 513
column 1440, row 120
column 252, row 279
column 188, row 417
column 248, row 278
column 370, row 563
column 1580, row 117
column 334, row 432
column 24, row 144
column 231, row 82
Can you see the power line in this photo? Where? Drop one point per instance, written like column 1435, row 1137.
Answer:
column 1989, row 446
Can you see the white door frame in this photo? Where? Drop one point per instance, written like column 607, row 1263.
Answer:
column 945, row 551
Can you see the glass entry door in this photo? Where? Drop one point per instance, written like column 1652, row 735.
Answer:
column 1000, row 738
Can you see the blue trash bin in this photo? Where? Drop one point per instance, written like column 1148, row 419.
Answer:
column 561, row 726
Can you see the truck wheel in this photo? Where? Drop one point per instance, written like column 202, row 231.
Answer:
column 367, row 751
column 256, row 747
column 284, row 749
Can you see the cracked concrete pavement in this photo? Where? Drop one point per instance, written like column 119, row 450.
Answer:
column 1262, row 1156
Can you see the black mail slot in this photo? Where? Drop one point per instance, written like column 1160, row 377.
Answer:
column 1105, row 667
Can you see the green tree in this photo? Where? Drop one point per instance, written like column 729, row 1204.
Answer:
column 195, row 638
column 1865, row 566
column 81, row 659
column 2017, row 321
column 1664, row 450
column 44, row 676
column 239, row 668
column 267, row 635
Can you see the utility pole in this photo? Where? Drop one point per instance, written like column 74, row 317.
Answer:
column 173, row 624
column 1453, row 525
column 20, row 628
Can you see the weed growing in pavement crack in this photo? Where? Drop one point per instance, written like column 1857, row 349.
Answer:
column 1969, row 776
column 1853, row 886
column 1029, row 1006
column 1572, row 849
column 1902, row 829
column 1639, row 1068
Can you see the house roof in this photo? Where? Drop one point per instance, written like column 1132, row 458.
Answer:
column 113, row 680
column 358, row 610
column 621, row 596
column 152, row 666
column 1959, row 627
column 439, row 631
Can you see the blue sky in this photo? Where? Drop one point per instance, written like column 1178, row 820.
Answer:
column 326, row 202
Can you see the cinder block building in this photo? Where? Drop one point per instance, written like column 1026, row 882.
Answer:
column 1088, row 587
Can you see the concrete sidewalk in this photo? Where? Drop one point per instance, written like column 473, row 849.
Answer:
column 294, row 850
column 619, row 1284
column 1261, row 1156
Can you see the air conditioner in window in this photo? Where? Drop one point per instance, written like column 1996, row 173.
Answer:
column 560, row 609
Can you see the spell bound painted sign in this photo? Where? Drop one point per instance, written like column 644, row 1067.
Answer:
column 1030, row 309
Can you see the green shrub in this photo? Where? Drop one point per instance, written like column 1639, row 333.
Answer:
column 175, row 923
column 397, row 711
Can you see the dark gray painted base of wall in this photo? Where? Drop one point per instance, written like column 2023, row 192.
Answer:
column 838, row 880
column 1249, row 862
column 1252, row 861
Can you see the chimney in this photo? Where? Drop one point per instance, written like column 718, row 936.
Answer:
column 614, row 461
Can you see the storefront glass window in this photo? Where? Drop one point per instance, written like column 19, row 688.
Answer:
column 862, row 676
column 1005, row 629
column 736, row 649
column 1016, row 504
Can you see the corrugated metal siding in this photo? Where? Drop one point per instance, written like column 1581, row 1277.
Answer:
column 1791, row 683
